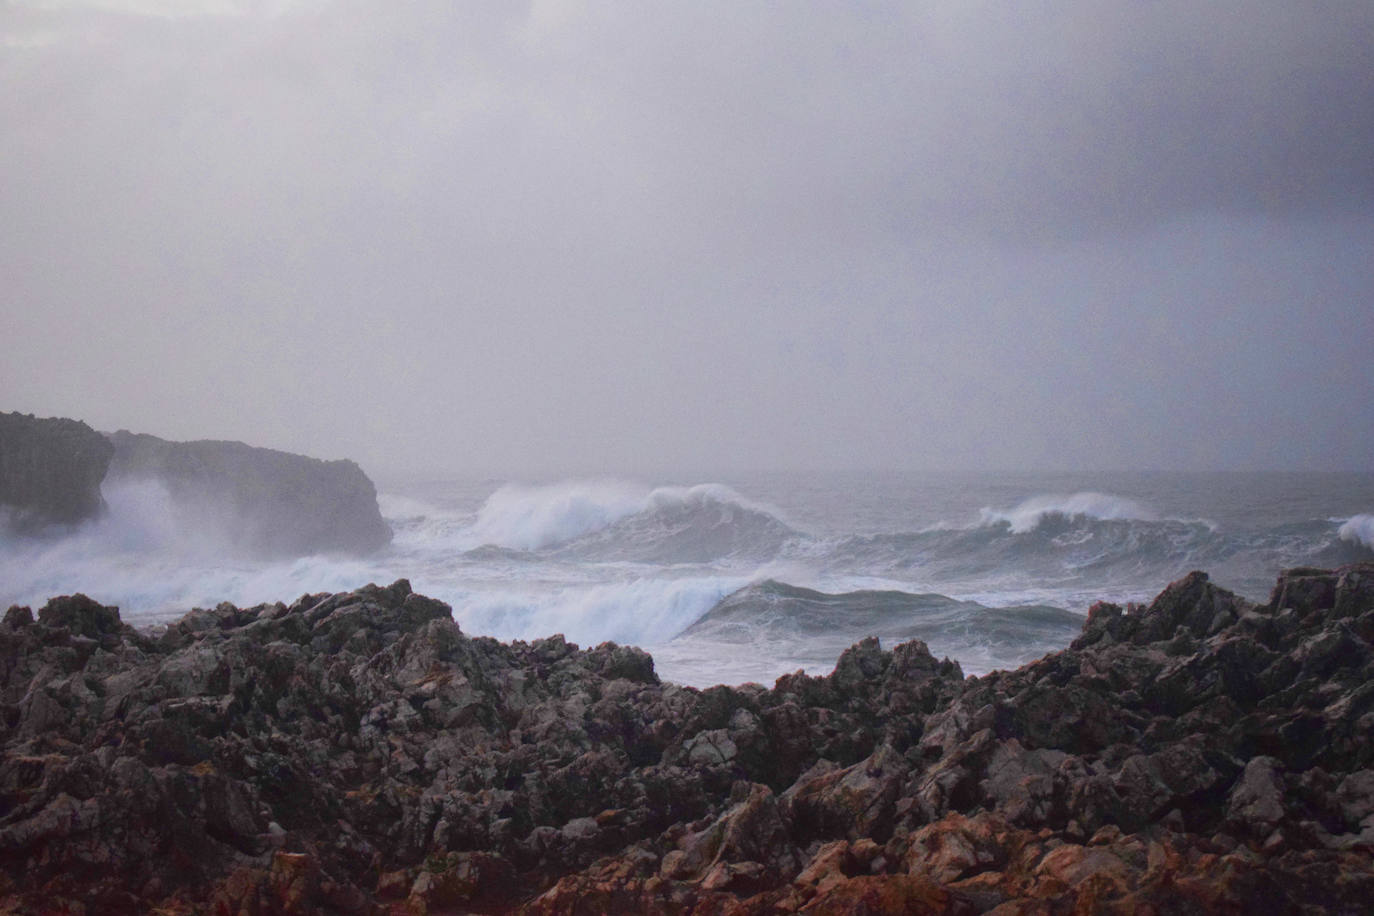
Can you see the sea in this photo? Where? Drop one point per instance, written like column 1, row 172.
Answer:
column 733, row 578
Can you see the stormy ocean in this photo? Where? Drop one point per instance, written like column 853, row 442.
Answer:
column 734, row 578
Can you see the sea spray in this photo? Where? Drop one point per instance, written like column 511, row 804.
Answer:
column 1358, row 529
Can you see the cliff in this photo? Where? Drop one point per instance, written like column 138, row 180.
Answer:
column 265, row 502
column 50, row 471
column 357, row 753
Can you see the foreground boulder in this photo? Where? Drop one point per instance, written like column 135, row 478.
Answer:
column 50, row 471
column 263, row 502
column 357, row 753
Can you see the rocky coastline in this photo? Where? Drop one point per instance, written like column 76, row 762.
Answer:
column 248, row 501
column 358, row 753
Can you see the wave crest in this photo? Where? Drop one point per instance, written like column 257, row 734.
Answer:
column 1030, row 514
column 590, row 515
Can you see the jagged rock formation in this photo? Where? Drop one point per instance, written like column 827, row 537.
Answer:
column 261, row 501
column 50, row 471
column 358, row 753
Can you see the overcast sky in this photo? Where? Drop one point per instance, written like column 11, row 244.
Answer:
column 653, row 237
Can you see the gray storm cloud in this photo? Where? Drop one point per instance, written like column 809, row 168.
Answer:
column 590, row 237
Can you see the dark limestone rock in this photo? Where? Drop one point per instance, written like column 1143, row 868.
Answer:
column 358, row 753
column 260, row 501
column 81, row 615
column 50, row 471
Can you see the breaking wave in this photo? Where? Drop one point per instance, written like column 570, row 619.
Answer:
column 641, row 611
column 610, row 521
column 701, row 524
column 533, row 518
column 1030, row 514
column 1358, row 529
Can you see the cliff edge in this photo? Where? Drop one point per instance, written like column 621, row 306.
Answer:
column 50, row 471
column 266, row 502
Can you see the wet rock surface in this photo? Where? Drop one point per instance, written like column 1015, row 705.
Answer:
column 357, row 753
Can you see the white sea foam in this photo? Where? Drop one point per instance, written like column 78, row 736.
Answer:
column 1358, row 528
column 1028, row 515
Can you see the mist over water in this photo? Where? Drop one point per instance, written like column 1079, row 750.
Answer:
column 713, row 577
